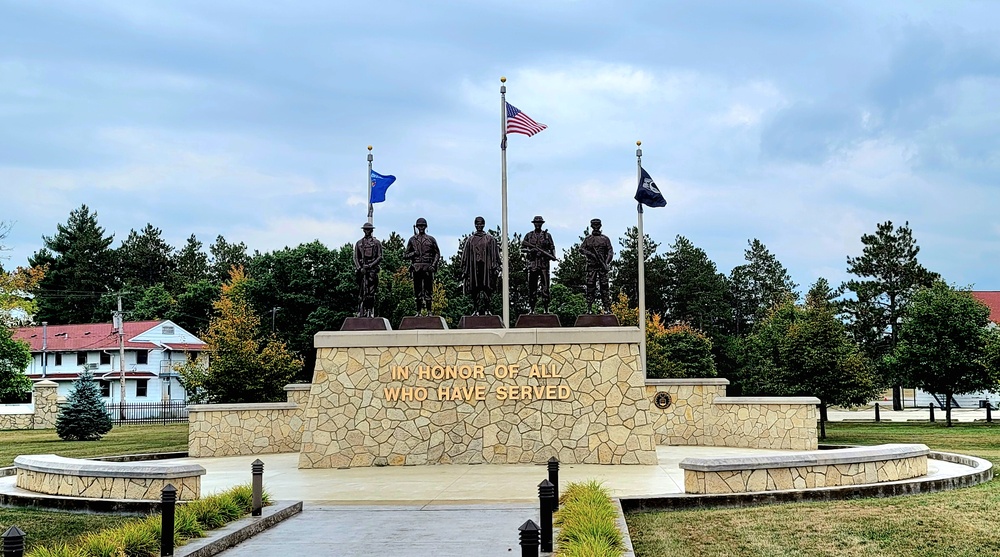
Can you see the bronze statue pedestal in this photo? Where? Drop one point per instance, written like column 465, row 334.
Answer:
column 597, row 320
column 422, row 322
column 480, row 322
column 366, row 324
column 537, row 320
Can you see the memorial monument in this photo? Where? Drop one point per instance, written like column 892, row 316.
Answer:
column 539, row 250
column 425, row 257
column 367, row 264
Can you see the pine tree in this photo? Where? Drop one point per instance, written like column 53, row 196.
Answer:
column 625, row 271
column 758, row 286
column 889, row 275
column 84, row 417
column 695, row 292
column 145, row 259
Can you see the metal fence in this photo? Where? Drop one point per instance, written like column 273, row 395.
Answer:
column 166, row 412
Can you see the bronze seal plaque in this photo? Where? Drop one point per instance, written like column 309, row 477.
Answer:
column 662, row 400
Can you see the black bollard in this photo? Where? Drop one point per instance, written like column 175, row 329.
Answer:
column 529, row 539
column 989, row 413
column 257, row 470
column 546, row 493
column 168, row 501
column 930, row 406
column 878, row 416
column 13, row 542
column 553, row 466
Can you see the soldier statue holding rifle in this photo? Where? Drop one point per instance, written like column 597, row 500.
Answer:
column 367, row 262
column 599, row 253
column 424, row 256
column 539, row 250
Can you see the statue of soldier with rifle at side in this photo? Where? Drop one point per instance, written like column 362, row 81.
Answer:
column 599, row 253
column 539, row 250
column 425, row 257
column 367, row 262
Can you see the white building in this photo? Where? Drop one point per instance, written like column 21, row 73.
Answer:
column 152, row 349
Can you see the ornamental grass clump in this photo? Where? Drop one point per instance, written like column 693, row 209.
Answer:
column 587, row 522
column 141, row 537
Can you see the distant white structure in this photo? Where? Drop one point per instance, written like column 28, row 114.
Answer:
column 152, row 349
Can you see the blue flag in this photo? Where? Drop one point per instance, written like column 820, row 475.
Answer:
column 647, row 193
column 380, row 184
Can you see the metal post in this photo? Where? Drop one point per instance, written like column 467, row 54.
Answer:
column 640, row 247
column 13, row 542
column 930, row 406
column 553, row 467
column 878, row 415
column 168, row 501
column 503, row 202
column 257, row 470
column 546, row 493
column 529, row 539
column 370, row 210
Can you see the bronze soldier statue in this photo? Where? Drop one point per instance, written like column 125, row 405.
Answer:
column 424, row 256
column 599, row 253
column 480, row 267
column 367, row 262
column 539, row 250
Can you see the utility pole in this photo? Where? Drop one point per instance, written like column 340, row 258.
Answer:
column 273, row 311
column 119, row 324
column 45, row 345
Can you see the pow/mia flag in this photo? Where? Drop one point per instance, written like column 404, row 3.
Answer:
column 648, row 194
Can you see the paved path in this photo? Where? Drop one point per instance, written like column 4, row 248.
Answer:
column 425, row 531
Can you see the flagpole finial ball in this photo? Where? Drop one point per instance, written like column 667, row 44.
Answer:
column 638, row 143
column 503, row 79
column 369, row 147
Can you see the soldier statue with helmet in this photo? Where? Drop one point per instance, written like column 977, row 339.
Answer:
column 539, row 250
column 425, row 257
column 367, row 262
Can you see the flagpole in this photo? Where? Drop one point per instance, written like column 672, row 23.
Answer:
column 370, row 184
column 642, row 265
column 503, row 201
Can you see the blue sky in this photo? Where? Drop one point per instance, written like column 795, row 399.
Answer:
column 802, row 124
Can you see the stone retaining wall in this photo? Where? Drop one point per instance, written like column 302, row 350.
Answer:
column 585, row 402
column 700, row 414
column 44, row 409
column 244, row 429
column 841, row 467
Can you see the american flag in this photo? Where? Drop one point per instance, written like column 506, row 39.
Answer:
column 519, row 122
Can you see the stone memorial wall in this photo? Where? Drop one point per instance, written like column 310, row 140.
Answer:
column 477, row 396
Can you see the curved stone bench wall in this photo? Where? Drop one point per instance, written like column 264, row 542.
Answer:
column 832, row 468
column 73, row 477
column 701, row 414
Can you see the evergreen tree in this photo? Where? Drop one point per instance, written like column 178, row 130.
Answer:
column 944, row 345
column 821, row 294
column 79, row 270
column 224, row 257
column 758, row 286
column 154, row 303
column 625, row 271
column 194, row 306
column 566, row 304
column 15, row 357
column 571, row 270
column 145, row 259
column 83, row 417
column 695, row 292
column 190, row 265
column 889, row 275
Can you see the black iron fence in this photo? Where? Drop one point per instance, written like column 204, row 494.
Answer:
column 166, row 412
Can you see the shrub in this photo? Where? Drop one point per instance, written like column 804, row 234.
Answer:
column 587, row 519
column 84, row 417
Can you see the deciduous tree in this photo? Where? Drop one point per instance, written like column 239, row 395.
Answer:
column 15, row 357
column 945, row 344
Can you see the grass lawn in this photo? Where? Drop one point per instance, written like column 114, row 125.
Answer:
column 48, row 528
column 120, row 440
column 952, row 523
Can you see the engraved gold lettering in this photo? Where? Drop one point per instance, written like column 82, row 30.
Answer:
column 391, row 393
column 400, row 372
column 423, row 372
column 478, row 373
column 444, row 393
column 501, row 371
column 563, row 392
column 420, row 394
column 480, row 392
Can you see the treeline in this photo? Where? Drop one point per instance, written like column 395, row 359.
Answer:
column 694, row 308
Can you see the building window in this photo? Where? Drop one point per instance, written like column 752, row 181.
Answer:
column 141, row 387
column 81, row 358
column 192, row 357
column 106, row 389
column 105, row 358
column 142, row 357
column 58, row 358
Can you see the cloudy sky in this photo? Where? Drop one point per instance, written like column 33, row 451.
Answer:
column 802, row 124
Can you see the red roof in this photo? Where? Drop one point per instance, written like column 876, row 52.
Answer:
column 992, row 299
column 95, row 336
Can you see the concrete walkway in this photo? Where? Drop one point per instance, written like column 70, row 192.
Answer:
column 433, row 511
